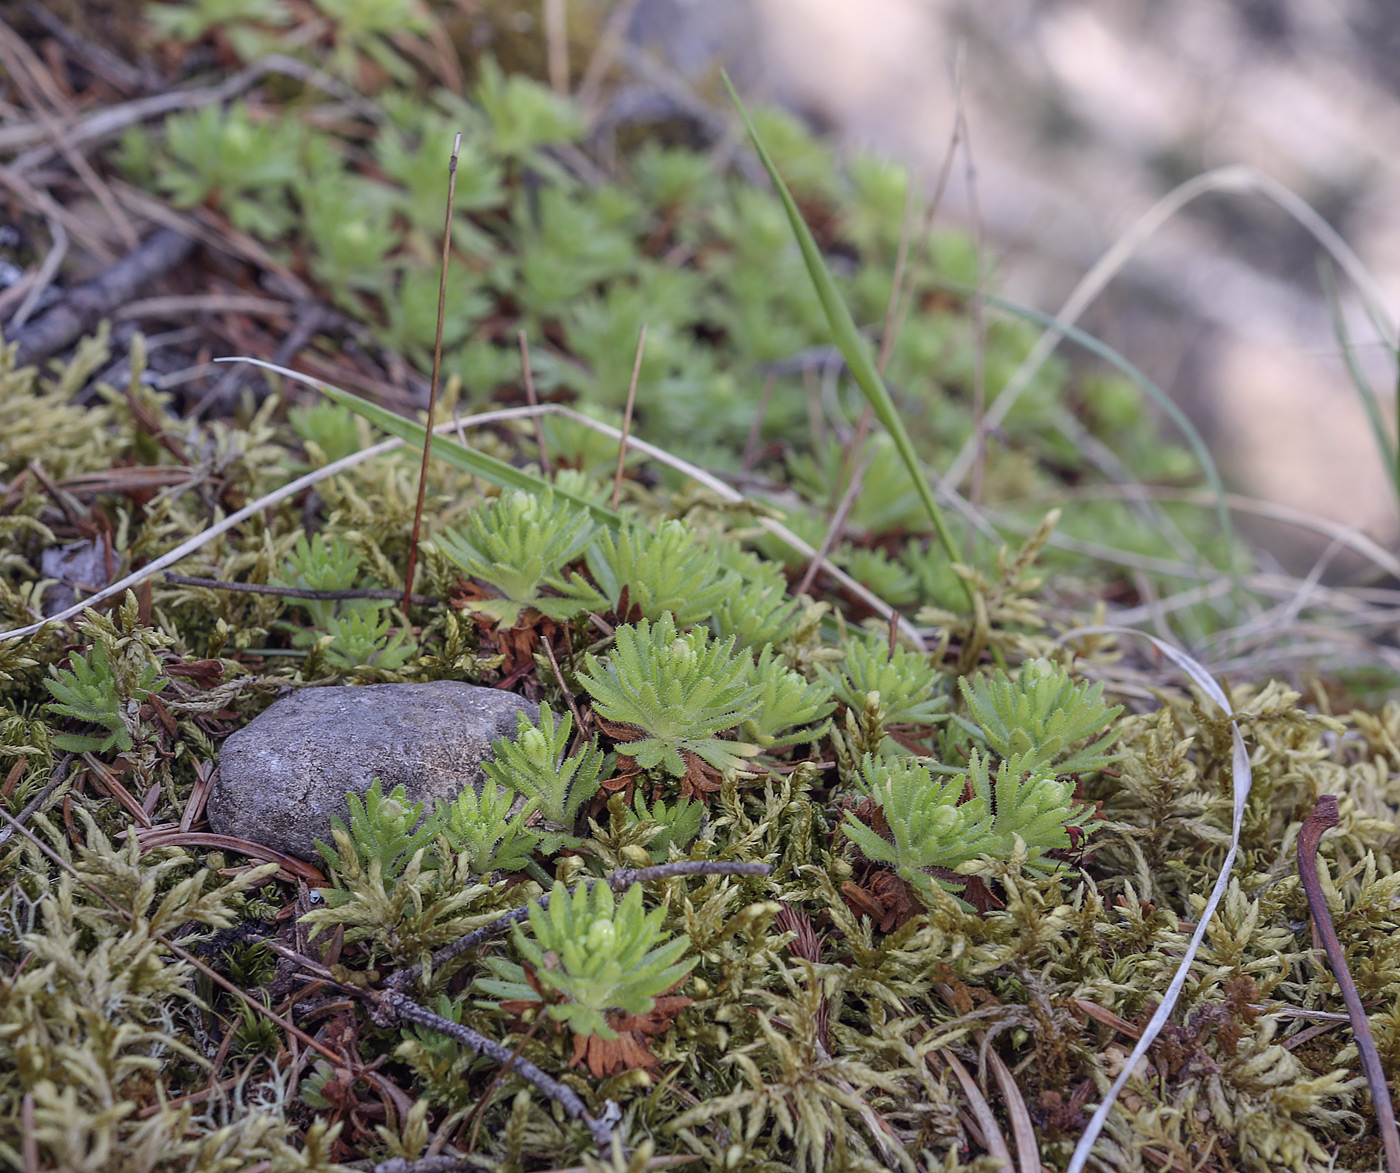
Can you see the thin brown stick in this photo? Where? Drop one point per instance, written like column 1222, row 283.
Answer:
column 111, row 120
column 44, row 204
column 995, row 1142
column 433, row 380
column 665, row 1162
column 479, row 1111
column 751, row 441
column 30, row 75
column 838, row 523
column 1022, row 1131
column 610, row 42
column 84, row 306
column 260, row 588
column 533, row 400
column 556, row 42
column 391, row 1006
column 30, row 1142
column 627, row 415
column 43, row 278
column 563, row 684
column 1323, row 817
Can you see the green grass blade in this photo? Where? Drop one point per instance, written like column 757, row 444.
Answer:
column 848, row 339
column 1369, row 402
column 459, row 456
column 488, row 468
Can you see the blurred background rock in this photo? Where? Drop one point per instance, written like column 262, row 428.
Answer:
column 1081, row 115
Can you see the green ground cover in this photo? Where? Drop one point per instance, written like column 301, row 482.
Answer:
column 937, row 844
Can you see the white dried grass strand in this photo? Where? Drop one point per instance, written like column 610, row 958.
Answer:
column 1242, row 778
column 708, row 480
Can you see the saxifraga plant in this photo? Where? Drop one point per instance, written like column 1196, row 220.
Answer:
column 1041, row 716
column 680, row 688
column 482, row 827
column 665, row 570
column 518, row 545
column 1022, row 811
column 534, row 764
column 907, row 685
column 381, row 835
column 597, row 954
column 90, row 693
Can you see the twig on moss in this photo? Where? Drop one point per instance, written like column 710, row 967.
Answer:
column 60, row 772
column 563, row 684
column 82, row 308
column 1323, row 817
column 439, row 1164
column 388, row 1007
column 259, row 588
column 619, row 881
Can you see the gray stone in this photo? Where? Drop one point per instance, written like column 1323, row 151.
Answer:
column 284, row 774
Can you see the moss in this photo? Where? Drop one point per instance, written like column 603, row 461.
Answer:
column 826, row 1001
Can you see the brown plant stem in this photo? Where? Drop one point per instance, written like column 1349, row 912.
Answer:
column 258, row 588
column 389, row 1007
column 533, row 400
column 627, row 416
column 1323, row 817
column 60, row 772
column 84, row 306
column 433, row 381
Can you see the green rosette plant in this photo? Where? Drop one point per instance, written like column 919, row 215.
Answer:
column 1021, row 811
column 534, row 764
column 90, row 692
column 596, row 954
column 907, row 685
column 1040, row 716
column 482, row 827
column 679, row 688
column 519, row 545
column 668, row 569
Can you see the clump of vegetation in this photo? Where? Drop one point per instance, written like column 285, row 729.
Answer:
column 772, row 871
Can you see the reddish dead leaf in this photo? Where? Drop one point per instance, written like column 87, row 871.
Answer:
column 629, row 1051
column 13, row 777
column 205, row 673
column 154, row 708
column 515, row 645
column 860, row 902
column 625, row 775
column 700, row 779
column 619, row 730
column 956, row 992
column 1063, row 1115
column 977, row 893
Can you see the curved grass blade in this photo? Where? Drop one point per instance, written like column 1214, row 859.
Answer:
column 1379, row 431
column 488, row 468
column 849, row 341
